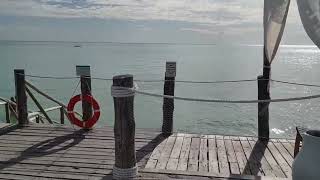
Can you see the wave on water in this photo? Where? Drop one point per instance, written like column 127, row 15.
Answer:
column 277, row 131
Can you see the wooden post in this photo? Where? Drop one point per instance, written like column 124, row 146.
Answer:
column 21, row 96
column 42, row 110
column 38, row 119
column 85, row 79
column 263, row 108
column 61, row 115
column 124, row 129
column 7, row 112
column 168, row 104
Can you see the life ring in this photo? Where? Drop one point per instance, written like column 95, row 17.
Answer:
column 91, row 121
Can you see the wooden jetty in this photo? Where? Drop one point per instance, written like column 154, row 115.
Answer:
column 31, row 150
column 39, row 151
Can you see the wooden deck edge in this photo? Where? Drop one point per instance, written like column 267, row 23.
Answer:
column 206, row 174
column 151, row 130
column 7, row 127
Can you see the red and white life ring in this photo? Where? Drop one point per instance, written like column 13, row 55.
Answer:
column 91, row 121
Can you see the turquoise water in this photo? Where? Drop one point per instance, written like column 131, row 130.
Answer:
column 194, row 62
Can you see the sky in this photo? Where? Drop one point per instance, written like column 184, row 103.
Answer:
column 142, row 21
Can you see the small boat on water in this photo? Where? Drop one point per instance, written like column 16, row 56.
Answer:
column 78, row 46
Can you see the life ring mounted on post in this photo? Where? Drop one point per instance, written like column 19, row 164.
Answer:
column 96, row 111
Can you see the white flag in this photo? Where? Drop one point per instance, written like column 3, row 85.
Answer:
column 310, row 16
column 275, row 16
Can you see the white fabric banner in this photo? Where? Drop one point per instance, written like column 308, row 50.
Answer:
column 274, row 21
column 310, row 16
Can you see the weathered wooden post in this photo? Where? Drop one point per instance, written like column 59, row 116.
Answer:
column 264, row 94
column 61, row 115
column 38, row 119
column 7, row 109
column 85, row 79
column 124, row 128
column 168, row 104
column 21, row 96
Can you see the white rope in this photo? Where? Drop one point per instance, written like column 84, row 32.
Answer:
column 129, row 173
column 117, row 91
column 227, row 101
column 178, row 81
column 110, row 79
column 298, row 84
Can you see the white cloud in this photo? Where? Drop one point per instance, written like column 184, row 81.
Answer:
column 200, row 31
column 219, row 12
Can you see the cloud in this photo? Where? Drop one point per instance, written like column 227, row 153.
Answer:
column 214, row 12
column 200, row 31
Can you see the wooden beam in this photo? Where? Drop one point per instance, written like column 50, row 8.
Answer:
column 50, row 98
column 13, row 111
column 85, row 80
column 39, row 105
column 124, row 129
column 61, row 115
column 46, row 110
column 168, row 104
column 7, row 109
column 21, row 96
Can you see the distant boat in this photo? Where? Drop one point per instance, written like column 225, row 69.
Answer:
column 77, row 46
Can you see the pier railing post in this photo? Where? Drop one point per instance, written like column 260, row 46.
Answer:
column 263, row 108
column 61, row 115
column 85, row 79
column 168, row 104
column 124, row 128
column 7, row 109
column 21, row 96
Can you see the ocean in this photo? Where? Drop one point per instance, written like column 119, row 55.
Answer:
column 195, row 62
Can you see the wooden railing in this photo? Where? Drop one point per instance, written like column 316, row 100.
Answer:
column 124, row 126
column 22, row 90
column 36, row 116
column 7, row 110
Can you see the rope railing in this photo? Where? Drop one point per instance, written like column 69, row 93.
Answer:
column 177, row 81
column 130, row 91
column 137, row 80
column 226, row 100
column 298, row 84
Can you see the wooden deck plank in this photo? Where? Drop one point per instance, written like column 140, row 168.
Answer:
column 151, row 163
column 285, row 154
column 288, row 147
column 4, row 125
column 184, row 154
column 280, row 160
column 241, row 157
column 193, row 163
column 251, row 161
column 273, row 163
column 259, row 154
column 234, row 166
column 177, row 147
column 203, row 156
column 172, row 164
column 213, row 155
column 166, row 151
column 157, row 151
column 222, row 157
